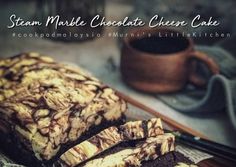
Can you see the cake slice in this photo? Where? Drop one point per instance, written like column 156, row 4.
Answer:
column 130, row 144
column 47, row 107
column 110, row 137
column 148, row 150
column 155, row 157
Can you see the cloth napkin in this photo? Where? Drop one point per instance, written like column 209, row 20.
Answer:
column 219, row 94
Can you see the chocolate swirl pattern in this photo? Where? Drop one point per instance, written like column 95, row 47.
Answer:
column 150, row 149
column 109, row 138
column 46, row 105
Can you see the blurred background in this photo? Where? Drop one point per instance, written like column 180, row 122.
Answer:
column 101, row 55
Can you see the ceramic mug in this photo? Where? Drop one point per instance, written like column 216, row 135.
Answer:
column 154, row 61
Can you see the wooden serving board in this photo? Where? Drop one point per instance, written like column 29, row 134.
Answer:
column 139, row 111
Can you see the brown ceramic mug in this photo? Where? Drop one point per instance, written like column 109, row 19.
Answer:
column 156, row 64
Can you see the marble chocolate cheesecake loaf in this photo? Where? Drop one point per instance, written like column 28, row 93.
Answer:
column 47, row 107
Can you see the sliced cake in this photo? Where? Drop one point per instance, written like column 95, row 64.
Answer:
column 148, row 150
column 109, row 138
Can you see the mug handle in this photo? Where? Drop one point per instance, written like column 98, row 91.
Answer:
column 211, row 64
